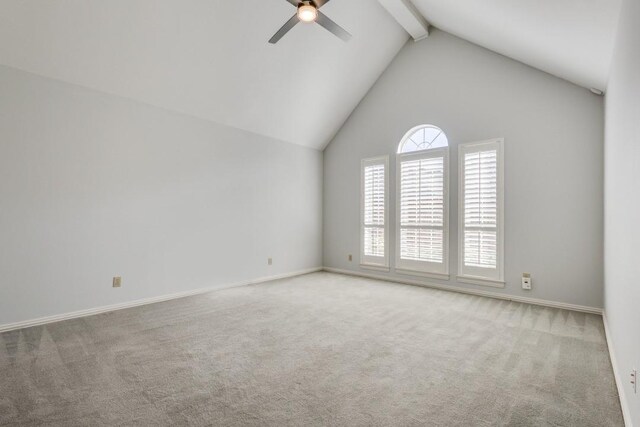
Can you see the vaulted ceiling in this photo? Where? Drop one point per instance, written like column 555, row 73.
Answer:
column 211, row 59
column 571, row 39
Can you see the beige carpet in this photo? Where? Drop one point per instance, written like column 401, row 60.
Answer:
column 321, row 349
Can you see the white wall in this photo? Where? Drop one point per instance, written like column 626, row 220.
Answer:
column 553, row 134
column 622, row 203
column 93, row 186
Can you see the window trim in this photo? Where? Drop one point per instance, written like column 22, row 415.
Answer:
column 421, row 268
column 469, row 274
column 369, row 262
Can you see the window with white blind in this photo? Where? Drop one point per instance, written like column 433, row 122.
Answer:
column 422, row 211
column 481, row 218
column 374, row 234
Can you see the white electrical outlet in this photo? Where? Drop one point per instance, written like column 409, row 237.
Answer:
column 270, row 261
column 117, row 282
column 526, row 281
column 634, row 380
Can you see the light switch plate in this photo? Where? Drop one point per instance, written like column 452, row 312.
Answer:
column 117, row 282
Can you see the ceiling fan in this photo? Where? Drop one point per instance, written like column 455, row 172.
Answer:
column 308, row 12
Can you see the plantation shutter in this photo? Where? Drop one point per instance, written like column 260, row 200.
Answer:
column 374, row 210
column 481, row 201
column 423, row 212
column 480, row 209
column 374, row 214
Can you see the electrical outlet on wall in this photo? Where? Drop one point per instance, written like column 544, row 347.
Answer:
column 117, row 282
column 350, row 257
column 270, row 261
column 634, row 380
column 526, row 281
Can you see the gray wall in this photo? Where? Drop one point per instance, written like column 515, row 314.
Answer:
column 93, row 186
column 553, row 134
column 622, row 203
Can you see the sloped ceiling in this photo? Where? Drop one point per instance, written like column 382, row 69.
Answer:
column 571, row 39
column 209, row 58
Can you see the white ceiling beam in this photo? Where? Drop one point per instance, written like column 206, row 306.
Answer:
column 408, row 17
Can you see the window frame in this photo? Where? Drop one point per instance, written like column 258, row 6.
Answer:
column 474, row 275
column 423, row 268
column 368, row 261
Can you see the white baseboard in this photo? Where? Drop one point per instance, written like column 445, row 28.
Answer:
column 145, row 301
column 626, row 414
column 535, row 301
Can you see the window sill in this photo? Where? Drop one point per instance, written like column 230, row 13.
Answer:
column 439, row 276
column 473, row 280
column 374, row 267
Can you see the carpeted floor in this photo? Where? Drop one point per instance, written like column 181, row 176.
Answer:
column 320, row 349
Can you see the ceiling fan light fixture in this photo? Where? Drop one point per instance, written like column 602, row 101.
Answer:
column 307, row 12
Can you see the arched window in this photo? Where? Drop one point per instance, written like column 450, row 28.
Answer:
column 422, row 219
column 423, row 137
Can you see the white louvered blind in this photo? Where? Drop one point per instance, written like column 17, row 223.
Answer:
column 374, row 215
column 422, row 209
column 481, row 210
column 374, row 210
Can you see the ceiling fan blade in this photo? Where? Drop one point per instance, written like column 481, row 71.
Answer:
column 294, row 2
column 336, row 29
column 320, row 3
column 285, row 29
